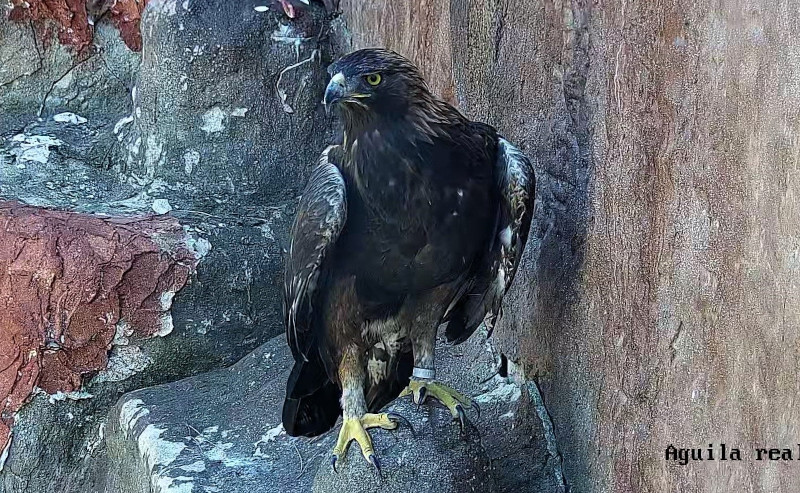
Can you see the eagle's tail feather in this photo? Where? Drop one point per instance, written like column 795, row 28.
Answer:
column 312, row 400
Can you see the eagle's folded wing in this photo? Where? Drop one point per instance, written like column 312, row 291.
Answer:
column 482, row 294
column 320, row 218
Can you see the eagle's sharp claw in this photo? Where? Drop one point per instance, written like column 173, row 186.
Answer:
column 423, row 393
column 474, row 403
column 453, row 400
column 462, row 416
column 397, row 418
column 333, row 463
column 376, row 463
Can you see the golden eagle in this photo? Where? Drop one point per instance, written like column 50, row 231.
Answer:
column 418, row 218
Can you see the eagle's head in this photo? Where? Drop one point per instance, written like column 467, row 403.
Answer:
column 374, row 82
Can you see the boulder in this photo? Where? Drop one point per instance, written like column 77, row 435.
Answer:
column 216, row 432
column 227, row 106
column 221, row 431
column 41, row 77
column 76, row 286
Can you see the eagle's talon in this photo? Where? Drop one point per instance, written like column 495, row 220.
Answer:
column 453, row 400
column 376, row 463
column 355, row 429
column 398, row 419
column 421, row 396
column 462, row 417
column 474, row 404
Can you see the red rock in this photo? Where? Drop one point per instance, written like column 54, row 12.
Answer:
column 126, row 15
column 71, row 19
column 69, row 15
column 66, row 280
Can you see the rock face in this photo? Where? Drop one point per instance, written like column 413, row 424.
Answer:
column 79, row 282
column 210, row 139
column 225, row 122
column 218, row 317
column 40, row 77
column 221, row 431
column 657, row 304
column 227, row 112
column 73, row 21
column 108, row 223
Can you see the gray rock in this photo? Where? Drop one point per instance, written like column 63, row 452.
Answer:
column 40, row 77
column 63, row 166
column 221, row 431
column 227, row 104
column 438, row 458
column 59, row 446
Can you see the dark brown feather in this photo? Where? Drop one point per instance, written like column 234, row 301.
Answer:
column 438, row 210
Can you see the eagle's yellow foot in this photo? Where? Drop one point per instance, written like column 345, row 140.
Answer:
column 356, row 429
column 452, row 399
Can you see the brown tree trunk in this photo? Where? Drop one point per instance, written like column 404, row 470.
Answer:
column 660, row 301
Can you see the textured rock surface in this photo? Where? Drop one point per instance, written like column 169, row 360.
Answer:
column 211, row 134
column 65, row 161
column 658, row 303
column 227, row 111
column 221, row 431
column 38, row 76
column 72, row 21
column 73, row 283
column 209, row 139
column 220, row 316
column 68, row 18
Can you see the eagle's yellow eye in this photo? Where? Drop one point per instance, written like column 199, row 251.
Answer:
column 373, row 79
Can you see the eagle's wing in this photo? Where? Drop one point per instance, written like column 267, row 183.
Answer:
column 481, row 296
column 320, row 218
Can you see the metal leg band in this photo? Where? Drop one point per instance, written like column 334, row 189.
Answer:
column 424, row 373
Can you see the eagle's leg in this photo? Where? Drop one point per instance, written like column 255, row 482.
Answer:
column 423, row 382
column 355, row 418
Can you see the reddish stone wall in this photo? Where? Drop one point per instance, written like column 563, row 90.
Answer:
column 66, row 280
column 69, row 19
column 126, row 15
column 658, row 301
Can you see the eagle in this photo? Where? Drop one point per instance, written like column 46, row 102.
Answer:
column 416, row 219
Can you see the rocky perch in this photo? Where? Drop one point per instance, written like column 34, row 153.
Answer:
column 221, row 432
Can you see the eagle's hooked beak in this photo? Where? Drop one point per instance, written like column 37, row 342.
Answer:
column 336, row 90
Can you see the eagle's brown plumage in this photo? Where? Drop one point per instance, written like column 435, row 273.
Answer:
column 419, row 217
